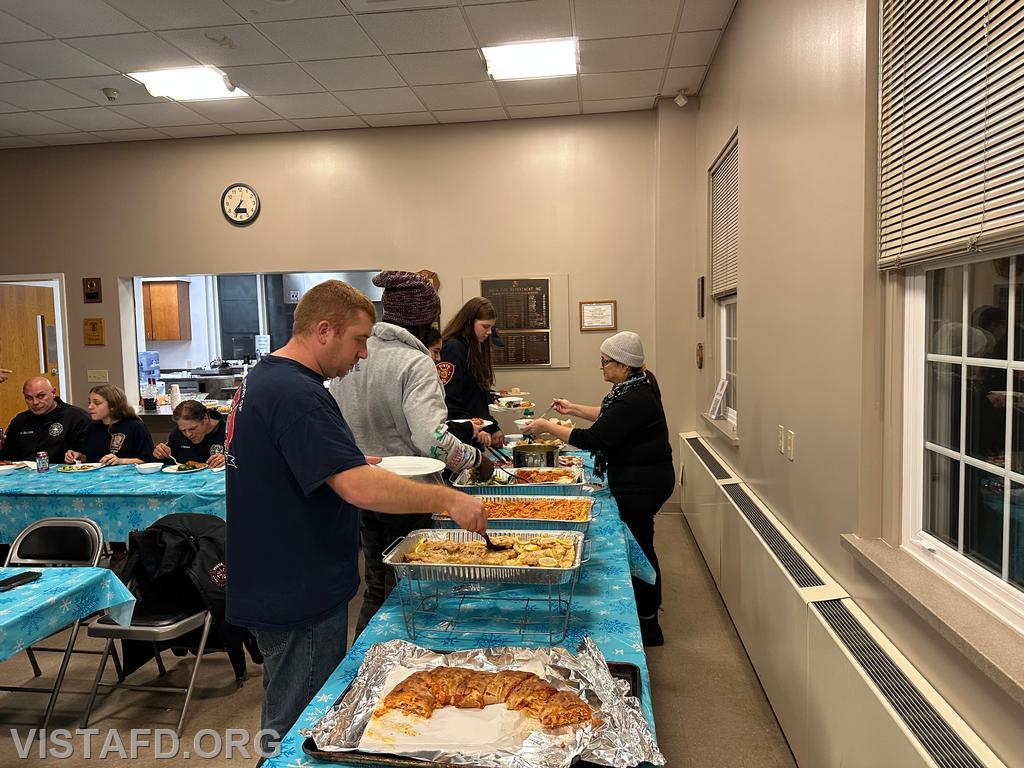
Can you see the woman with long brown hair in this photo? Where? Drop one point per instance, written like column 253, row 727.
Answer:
column 465, row 368
column 116, row 435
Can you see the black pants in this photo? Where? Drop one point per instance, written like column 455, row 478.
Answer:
column 638, row 504
column 377, row 531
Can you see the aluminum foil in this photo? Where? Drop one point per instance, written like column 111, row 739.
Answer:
column 621, row 739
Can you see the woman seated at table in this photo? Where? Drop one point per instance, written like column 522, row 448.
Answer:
column 629, row 438
column 116, row 434
column 198, row 436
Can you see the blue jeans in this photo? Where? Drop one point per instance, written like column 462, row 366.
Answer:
column 296, row 664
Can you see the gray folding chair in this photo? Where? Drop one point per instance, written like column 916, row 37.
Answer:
column 55, row 542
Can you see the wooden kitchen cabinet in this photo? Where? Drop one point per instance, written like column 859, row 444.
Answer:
column 165, row 307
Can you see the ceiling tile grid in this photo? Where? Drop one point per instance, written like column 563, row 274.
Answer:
column 314, row 65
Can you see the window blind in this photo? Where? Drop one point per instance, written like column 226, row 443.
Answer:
column 951, row 143
column 725, row 221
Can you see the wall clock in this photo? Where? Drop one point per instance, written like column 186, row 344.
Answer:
column 240, row 204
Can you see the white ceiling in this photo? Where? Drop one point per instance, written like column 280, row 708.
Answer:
column 328, row 64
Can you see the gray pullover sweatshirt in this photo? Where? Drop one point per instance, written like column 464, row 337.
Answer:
column 394, row 402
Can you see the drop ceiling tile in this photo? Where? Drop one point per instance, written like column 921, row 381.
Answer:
column 683, row 79
column 617, row 105
column 545, row 110
column 192, row 131
column 133, row 53
column 415, row 31
column 373, row 6
column 471, row 115
column 62, row 139
column 543, row 91
column 226, row 46
column 133, row 134
column 302, row 105
column 91, row 118
column 621, row 85
column 408, row 118
column 263, row 126
column 694, row 49
column 91, row 88
column 160, row 115
column 70, row 18
column 337, row 37
column 37, row 94
column 461, row 96
column 705, row 14
column 10, row 74
column 12, row 30
column 179, row 14
column 272, row 79
column 16, row 142
column 619, row 54
column 330, row 123
column 275, row 10
column 29, row 123
column 513, row 22
column 353, row 74
column 615, row 18
column 51, row 58
column 443, row 67
column 232, row 110
column 378, row 101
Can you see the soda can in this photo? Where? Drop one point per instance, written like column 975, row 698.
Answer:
column 42, row 462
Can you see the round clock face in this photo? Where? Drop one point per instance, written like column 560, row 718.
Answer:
column 240, row 204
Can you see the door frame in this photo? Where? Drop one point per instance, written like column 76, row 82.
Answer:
column 60, row 314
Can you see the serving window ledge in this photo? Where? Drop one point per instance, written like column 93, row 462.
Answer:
column 984, row 640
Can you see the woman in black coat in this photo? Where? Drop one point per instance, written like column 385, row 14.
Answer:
column 629, row 438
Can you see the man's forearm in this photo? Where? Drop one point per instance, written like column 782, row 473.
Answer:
column 380, row 491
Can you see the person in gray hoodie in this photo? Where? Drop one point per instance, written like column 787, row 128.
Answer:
column 394, row 403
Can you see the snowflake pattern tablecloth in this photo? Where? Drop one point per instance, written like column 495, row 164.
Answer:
column 33, row 611
column 603, row 607
column 118, row 498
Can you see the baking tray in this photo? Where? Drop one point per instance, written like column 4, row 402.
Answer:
column 501, row 574
column 530, row 523
column 462, row 482
column 621, row 670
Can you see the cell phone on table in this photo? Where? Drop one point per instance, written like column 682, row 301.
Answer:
column 17, row 580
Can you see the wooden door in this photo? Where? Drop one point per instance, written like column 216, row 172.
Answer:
column 27, row 313
column 166, row 311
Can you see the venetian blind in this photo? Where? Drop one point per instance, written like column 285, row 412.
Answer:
column 951, row 143
column 725, row 221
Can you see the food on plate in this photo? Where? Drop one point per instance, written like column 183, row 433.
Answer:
column 423, row 692
column 545, row 475
column 513, row 404
column 476, row 421
column 563, row 422
column 549, row 441
column 188, row 466
column 567, row 508
column 507, row 392
column 75, row 467
column 522, row 552
column 570, row 461
column 8, row 463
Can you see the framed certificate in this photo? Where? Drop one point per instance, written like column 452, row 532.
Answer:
column 93, row 331
column 599, row 315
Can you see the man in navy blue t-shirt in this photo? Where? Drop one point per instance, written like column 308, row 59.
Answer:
column 295, row 483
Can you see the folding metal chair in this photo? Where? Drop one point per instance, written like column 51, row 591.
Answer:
column 55, row 542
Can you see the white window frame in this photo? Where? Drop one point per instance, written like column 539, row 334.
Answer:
column 988, row 590
column 723, row 304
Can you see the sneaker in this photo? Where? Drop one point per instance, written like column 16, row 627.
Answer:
column 650, row 632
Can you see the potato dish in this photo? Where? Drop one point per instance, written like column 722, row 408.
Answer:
column 540, row 552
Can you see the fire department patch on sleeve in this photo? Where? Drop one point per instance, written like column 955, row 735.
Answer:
column 446, row 371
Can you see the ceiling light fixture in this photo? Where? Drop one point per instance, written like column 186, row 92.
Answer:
column 524, row 61
column 188, row 84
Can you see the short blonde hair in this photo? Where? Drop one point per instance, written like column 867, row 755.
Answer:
column 333, row 301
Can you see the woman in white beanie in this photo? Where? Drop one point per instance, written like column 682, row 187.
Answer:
column 629, row 438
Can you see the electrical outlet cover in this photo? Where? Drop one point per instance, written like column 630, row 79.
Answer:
column 791, row 445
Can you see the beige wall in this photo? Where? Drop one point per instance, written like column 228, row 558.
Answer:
column 562, row 195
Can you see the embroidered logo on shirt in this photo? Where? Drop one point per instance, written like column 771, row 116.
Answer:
column 216, row 449
column 219, row 574
column 446, row 371
column 116, row 441
column 56, row 429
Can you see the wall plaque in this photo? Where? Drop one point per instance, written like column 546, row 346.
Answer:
column 523, row 307
column 92, row 290
column 94, row 334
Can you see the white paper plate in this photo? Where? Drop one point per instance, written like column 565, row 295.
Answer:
column 486, row 422
column 499, row 392
column 411, row 466
column 83, row 467
column 173, row 470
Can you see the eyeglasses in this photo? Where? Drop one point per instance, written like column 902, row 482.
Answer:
column 605, row 361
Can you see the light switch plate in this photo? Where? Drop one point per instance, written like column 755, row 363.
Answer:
column 98, row 376
column 790, row 445
column 782, row 439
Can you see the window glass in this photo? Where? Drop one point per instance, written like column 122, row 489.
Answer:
column 942, row 497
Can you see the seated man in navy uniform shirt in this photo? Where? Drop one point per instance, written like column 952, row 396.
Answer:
column 49, row 425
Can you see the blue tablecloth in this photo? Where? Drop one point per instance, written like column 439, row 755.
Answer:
column 118, row 498
column 603, row 608
column 31, row 612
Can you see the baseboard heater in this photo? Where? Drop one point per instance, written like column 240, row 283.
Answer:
column 831, row 708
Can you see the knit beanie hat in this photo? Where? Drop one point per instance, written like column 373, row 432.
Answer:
column 625, row 348
column 409, row 299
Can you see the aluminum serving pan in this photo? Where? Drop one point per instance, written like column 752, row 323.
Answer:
column 531, row 523
column 464, row 482
column 500, row 574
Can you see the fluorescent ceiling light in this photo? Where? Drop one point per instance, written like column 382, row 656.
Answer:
column 188, row 84
column 522, row 61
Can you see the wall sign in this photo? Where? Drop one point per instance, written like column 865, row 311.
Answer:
column 92, row 290
column 599, row 315
column 523, row 307
column 93, row 331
